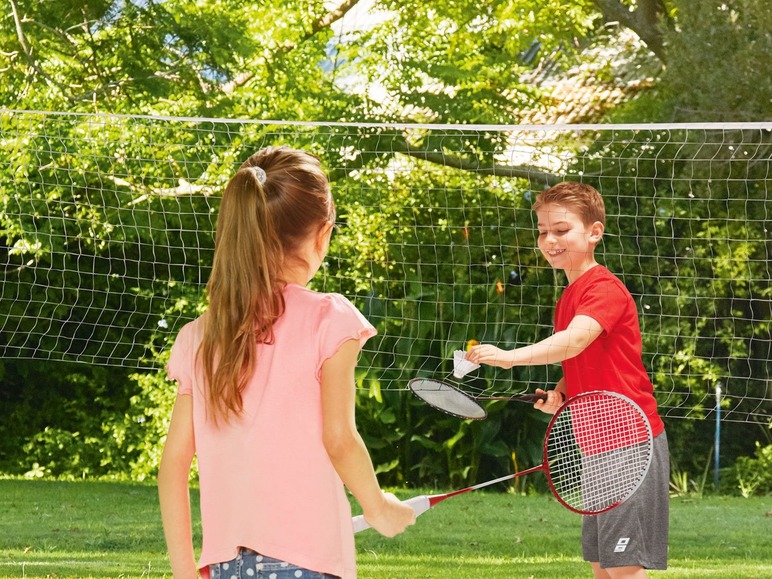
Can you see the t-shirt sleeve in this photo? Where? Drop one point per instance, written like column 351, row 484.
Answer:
column 605, row 301
column 340, row 321
column 181, row 361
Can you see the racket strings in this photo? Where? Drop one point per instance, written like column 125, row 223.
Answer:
column 447, row 399
column 455, row 401
column 483, row 389
column 597, row 452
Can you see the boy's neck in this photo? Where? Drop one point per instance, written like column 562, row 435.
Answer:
column 575, row 273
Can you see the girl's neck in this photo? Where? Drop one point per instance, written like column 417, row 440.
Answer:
column 298, row 270
column 297, row 276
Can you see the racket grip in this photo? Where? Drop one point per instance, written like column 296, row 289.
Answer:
column 420, row 505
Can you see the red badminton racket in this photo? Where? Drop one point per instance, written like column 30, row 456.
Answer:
column 597, row 451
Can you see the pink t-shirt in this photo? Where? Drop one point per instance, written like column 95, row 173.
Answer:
column 266, row 480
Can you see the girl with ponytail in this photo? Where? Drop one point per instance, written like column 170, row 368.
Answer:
column 266, row 393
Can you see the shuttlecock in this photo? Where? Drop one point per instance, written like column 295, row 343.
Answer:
column 462, row 366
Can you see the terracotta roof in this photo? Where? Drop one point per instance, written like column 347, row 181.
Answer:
column 613, row 69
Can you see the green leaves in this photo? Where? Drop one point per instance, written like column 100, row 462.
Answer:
column 717, row 69
column 107, row 222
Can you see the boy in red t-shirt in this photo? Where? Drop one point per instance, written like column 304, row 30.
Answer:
column 597, row 340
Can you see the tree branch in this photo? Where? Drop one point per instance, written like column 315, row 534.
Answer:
column 332, row 16
column 320, row 24
column 645, row 21
column 399, row 144
column 27, row 50
column 20, row 30
column 528, row 172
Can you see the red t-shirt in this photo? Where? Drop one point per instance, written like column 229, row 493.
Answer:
column 613, row 361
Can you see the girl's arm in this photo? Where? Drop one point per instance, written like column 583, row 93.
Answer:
column 563, row 345
column 173, row 490
column 346, row 449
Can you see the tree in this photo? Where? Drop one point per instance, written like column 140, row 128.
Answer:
column 648, row 18
column 462, row 62
column 718, row 69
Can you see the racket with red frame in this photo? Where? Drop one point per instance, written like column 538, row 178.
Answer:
column 597, row 451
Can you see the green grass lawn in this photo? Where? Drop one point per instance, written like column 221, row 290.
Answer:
column 100, row 529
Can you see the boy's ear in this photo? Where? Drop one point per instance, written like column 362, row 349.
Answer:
column 596, row 232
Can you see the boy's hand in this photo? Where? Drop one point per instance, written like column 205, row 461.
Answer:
column 490, row 355
column 553, row 402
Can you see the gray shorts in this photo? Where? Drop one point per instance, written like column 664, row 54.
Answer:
column 636, row 532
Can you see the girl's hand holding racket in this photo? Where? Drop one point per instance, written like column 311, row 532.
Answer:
column 490, row 355
column 391, row 517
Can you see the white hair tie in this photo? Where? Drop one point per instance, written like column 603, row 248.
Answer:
column 260, row 174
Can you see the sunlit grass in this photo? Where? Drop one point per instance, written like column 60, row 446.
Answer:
column 100, row 529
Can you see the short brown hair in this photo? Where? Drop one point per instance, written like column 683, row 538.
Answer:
column 582, row 198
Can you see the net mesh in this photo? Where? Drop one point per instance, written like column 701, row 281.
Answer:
column 108, row 228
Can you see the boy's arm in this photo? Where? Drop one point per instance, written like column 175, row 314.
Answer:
column 563, row 345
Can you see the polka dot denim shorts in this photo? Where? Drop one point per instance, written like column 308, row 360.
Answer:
column 251, row 565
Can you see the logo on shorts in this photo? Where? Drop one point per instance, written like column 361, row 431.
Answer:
column 622, row 545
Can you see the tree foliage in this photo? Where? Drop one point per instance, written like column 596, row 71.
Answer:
column 457, row 62
column 720, row 72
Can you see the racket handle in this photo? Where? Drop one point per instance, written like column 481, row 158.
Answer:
column 420, row 505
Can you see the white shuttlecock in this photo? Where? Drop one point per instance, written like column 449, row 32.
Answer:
column 462, row 366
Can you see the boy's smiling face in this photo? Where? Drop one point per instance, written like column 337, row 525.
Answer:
column 566, row 241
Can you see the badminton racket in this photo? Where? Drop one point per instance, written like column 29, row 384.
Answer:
column 597, row 451
column 451, row 400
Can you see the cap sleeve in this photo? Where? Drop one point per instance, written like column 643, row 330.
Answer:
column 181, row 366
column 340, row 321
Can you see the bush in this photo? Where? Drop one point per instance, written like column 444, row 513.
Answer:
column 81, row 421
column 754, row 475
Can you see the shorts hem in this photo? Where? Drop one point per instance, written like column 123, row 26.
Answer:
column 649, row 566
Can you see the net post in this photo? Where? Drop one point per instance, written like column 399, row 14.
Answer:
column 717, row 443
